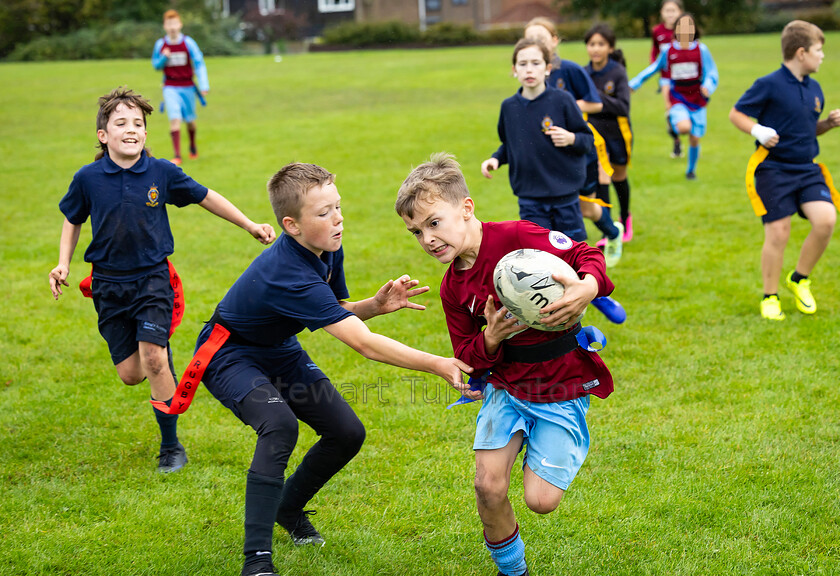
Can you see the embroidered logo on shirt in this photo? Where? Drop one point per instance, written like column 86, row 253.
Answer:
column 609, row 88
column 817, row 105
column 561, row 85
column 546, row 123
column 153, row 196
column 559, row 240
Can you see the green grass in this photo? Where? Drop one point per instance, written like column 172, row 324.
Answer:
column 716, row 454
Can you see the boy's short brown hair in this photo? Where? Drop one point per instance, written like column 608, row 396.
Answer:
column 287, row 188
column 439, row 178
column 171, row 14
column 800, row 34
column 109, row 102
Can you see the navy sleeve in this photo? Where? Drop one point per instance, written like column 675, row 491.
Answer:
column 584, row 140
column 581, row 86
column 501, row 152
column 75, row 205
column 619, row 104
column 314, row 305
column 182, row 190
column 754, row 100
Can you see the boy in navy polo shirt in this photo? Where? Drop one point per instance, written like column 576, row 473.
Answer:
column 268, row 381
column 179, row 57
column 125, row 193
column 540, row 381
column 782, row 177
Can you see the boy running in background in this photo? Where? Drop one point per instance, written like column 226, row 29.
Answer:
column 540, row 381
column 179, row 57
column 694, row 77
column 125, row 193
column 262, row 374
column 782, row 176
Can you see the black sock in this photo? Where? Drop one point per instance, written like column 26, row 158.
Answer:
column 796, row 277
column 606, row 225
column 766, row 296
column 168, row 424
column 603, row 193
column 622, row 190
column 262, row 497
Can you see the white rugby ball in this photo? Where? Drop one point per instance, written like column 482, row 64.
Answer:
column 523, row 282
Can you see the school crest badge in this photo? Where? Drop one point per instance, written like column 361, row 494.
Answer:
column 817, row 105
column 153, row 195
column 546, row 124
column 561, row 85
column 609, row 88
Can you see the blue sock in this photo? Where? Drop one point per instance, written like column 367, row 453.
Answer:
column 693, row 156
column 606, row 224
column 509, row 554
column 168, row 424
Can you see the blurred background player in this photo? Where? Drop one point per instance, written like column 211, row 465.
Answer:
column 607, row 70
column 572, row 78
column 782, row 176
column 125, row 193
column 662, row 36
column 694, row 77
column 180, row 58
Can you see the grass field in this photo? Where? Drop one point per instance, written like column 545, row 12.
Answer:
column 716, row 454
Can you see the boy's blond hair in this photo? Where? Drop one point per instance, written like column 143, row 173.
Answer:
column 287, row 188
column 438, row 179
column 171, row 14
column 800, row 34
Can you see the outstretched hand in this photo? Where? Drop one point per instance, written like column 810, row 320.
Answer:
column 501, row 324
column 451, row 370
column 263, row 232
column 577, row 296
column 395, row 294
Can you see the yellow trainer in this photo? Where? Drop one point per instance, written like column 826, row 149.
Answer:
column 802, row 290
column 771, row 308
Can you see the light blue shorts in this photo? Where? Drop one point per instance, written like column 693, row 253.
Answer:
column 555, row 433
column 180, row 102
column 680, row 112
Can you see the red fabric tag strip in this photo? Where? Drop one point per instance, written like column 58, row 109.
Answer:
column 192, row 375
column 179, row 303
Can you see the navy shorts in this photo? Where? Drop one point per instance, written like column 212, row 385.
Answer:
column 236, row 370
column 617, row 151
column 562, row 216
column 783, row 188
column 139, row 310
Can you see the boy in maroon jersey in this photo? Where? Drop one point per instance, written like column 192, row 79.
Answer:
column 539, row 381
column 179, row 57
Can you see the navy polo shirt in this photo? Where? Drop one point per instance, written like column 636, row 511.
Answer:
column 792, row 108
column 127, row 209
column 539, row 169
column 285, row 289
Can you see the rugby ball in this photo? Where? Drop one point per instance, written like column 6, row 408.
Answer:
column 523, row 283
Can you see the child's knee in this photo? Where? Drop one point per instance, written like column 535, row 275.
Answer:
column 154, row 359
column 490, row 490
column 543, row 502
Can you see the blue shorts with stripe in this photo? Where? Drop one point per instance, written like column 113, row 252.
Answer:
column 179, row 102
column 556, row 437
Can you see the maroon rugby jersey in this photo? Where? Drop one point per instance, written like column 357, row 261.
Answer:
column 178, row 70
column 464, row 293
column 686, row 70
column 661, row 37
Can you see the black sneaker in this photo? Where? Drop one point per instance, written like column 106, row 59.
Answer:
column 264, row 568
column 300, row 528
column 172, row 458
column 523, row 574
column 691, row 176
column 677, row 151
